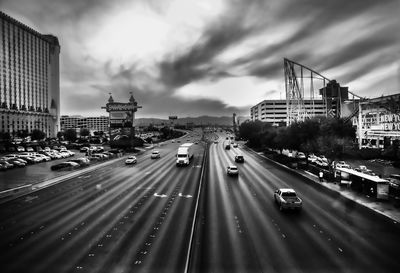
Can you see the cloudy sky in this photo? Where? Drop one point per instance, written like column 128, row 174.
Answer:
column 212, row 57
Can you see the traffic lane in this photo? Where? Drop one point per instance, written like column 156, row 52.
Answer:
column 168, row 253
column 223, row 245
column 330, row 224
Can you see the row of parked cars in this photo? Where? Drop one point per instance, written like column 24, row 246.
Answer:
column 23, row 159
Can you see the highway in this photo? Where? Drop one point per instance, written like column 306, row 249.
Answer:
column 116, row 219
column 139, row 219
column 242, row 230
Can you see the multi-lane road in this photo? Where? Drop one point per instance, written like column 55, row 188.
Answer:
column 140, row 218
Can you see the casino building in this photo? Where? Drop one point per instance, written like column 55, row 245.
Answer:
column 29, row 79
column 378, row 121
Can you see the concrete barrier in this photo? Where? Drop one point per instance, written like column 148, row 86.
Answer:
column 17, row 190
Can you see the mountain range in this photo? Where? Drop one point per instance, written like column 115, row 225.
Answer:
column 202, row 120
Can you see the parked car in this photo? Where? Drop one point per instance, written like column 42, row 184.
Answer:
column 30, row 149
column 300, row 155
column 131, row 160
column 232, row 170
column 20, row 149
column 2, row 167
column 95, row 157
column 155, row 154
column 312, row 158
column 342, row 164
column 287, row 199
column 10, row 156
column 25, row 154
column 16, row 162
column 64, row 165
column 6, row 164
column 84, row 149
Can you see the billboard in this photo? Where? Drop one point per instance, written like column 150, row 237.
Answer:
column 121, row 119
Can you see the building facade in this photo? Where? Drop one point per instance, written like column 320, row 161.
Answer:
column 275, row 112
column 378, row 122
column 91, row 123
column 29, row 79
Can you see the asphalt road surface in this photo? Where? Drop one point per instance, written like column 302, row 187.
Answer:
column 116, row 219
column 242, row 230
column 139, row 219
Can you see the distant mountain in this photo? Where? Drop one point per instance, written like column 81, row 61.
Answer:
column 202, row 120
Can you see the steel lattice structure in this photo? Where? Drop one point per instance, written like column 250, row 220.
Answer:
column 303, row 83
column 296, row 92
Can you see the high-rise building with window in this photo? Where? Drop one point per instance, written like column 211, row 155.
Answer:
column 91, row 123
column 29, row 79
column 276, row 113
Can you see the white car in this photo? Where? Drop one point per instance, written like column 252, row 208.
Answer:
column 300, row 155
column 232, row 170
column 287, row 199
column 155, row 154
column 131, row 160
column 342, row 164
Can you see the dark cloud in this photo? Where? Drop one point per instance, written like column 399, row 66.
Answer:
column 241, row 20
column 198, row 62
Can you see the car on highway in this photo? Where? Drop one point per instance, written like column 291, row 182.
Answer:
column 64, row 165
column 131, row 160
column 215, row 141
column 239, row 159
column 82, row 161
column 155, row 154
column 232, row 170
column 235, row 145
column 287, row 199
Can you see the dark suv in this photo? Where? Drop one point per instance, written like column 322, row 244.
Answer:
column 239, row 159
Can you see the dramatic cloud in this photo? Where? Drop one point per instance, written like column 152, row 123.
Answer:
column 214, row 57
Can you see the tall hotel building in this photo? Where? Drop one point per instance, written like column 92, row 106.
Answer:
column 29, row 79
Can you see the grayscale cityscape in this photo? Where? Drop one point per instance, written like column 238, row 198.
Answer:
column 199, row 136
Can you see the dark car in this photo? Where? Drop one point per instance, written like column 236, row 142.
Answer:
column 82, row 161
column 239, row 159
column 64, row 165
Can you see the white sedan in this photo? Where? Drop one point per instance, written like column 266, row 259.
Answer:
column 232, row 170
column 155, row 154
column 131, row 160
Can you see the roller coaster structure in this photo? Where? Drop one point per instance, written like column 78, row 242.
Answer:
column 316, row 87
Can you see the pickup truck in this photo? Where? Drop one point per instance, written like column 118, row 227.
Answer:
column 287, row 199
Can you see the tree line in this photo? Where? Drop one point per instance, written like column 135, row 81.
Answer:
column 319, row 135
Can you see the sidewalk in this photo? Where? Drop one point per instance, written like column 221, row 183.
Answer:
column 384, row 208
